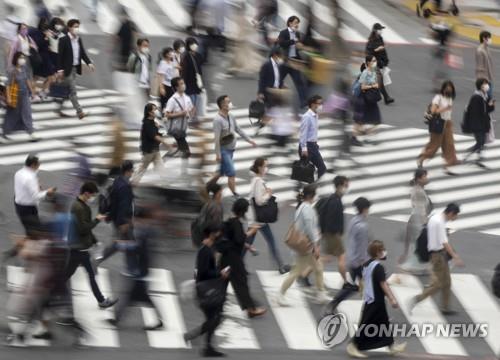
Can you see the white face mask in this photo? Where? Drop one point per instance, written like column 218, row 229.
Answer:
column 379, row 32
column 91, row 199
column 489, row 41
column 231, row 106
column 319, row 109
column 182, row 49
column 485, row 88
column 158, row 113
column 145, row 50
column 266, row 169
column 374, row 65
column 279, row 61
column 59, row 27
column 384, row 255
column 75, row 31
column 193, row 47
column 21, row 62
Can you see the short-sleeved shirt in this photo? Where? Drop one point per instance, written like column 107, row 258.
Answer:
column 436, row 232
column 378, row 276
column 149, row 131
column 443, row 102
column 168, row 70
column 173, row 105
column 368, row 77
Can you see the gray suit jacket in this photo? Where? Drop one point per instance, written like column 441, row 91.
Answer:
column 484, row 65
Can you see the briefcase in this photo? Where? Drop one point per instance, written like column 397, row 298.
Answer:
column 59, row 90
column 256, row 110
column 303, row 170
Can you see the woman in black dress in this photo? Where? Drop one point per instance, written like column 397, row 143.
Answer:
column 374, row 310
column 235, row 240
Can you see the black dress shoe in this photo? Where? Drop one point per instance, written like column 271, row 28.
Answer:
column 284, row 269
column 209, row 351
column 389, row 101
column 355, row 142
column 449, row 312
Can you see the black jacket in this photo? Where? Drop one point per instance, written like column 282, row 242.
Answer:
column 266, row 77
column 478, row 115
column 284, row 41
column 83, row 225
column 189, row 72
column 206, row 267
column 122, row 198
column 331, row 214
column 65, row 56
column 373, row 43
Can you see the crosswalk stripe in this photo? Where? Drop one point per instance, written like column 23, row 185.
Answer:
column 368, row 19
column 424, row 313
column 350, row 34
column 164, row 295
column 33, row 147
column 52, row 5
column 106, row 19
column 292, row 318
column 485, row 311
column 175, row 11
column 143, row 18
column 88, row 313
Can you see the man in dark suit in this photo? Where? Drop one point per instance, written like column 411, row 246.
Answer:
column 289, row 40
column 270, row 74
column 70, row 55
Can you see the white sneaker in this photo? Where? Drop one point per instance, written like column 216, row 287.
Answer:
column 322, row 297
column 281, row 300
column 397, row 348
column 353, row 351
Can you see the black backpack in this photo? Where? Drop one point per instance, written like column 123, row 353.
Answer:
column 421, row 249
column 495, row 282
column 106, row 203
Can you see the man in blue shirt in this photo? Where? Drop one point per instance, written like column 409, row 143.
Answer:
column 308, row 145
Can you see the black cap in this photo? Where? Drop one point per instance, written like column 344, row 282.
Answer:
column 378, row 26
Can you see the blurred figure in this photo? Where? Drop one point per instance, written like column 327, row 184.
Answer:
column 376, row 47
column 279, row 116
column 270, row 75
column 70, row 64
column 211, row 214
column 442, row 32
column 56, row 32
column 484, row 61
column 192, row 74
column 166, row 70
column 124, row 40
column 8, row 31
column 46, row 69
column 118, row 147
column 41, row 10
column 94, row 4
column 24, row 44
column 267, row 12
column 370, row 89
column 139, row 64
column 20, row 89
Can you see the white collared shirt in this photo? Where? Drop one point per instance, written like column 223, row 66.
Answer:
column 184, row 100
column 76, row 49
column 144, row 76
column 436, row 232
column 27, row 188
column 276, row 70
column 292, row 51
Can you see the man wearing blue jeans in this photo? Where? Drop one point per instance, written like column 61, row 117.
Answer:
column 225, row 129
column 309, row 125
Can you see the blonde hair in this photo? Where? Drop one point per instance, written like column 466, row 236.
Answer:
column 375, row 247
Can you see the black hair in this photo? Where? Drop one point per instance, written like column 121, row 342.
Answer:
column 447, row 83
column 31, row 160
column 452, row 208
column 209, row 230
column 190, row 41
column 260, row 161
column 291, row 19
column 73, row 22
column 307, row 192
column 19, row 26
column 178, row 44
column 127, row 166
column 89, row 187
column 419, row 173
column 240, row 207
column 212, row 188
column 483, row 35
column 147, row 109
column 276, row 50
column 480, row 82
column 313, row 99
column 163, row 53
column 369, row 58
column 56, row 21
column 362, row 204
column 220, row 100
column 142, row 40
column 175, row 82
column 340, row 180
column 16, row 57
column 43, row 24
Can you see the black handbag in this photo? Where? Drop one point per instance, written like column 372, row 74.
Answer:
column 256, row 110
column 267, row 213
column 303, row 170
column 59, row 90
column 35, row 58
column 436, row 124
column 372, row 96
column 211, row 293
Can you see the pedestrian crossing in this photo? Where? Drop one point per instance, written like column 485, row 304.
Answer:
column 159, row 18
column 382, row 175
column 296, row 322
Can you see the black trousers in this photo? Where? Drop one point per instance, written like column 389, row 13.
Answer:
column 183, row 146
column 315, row 157
column 238, row 279
column 349, row 287
column 168, row 93
column 136, row 292
column 298, row 81
column 213, row 318
column 28, row 215
column 480, row 141
column 77, row 258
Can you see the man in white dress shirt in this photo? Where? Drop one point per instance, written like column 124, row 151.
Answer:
column 28, row 193
column 440, row 251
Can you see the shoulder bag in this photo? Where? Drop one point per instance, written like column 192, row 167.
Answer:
column 199, row 79
column 211, row 293
column 229, row 137
column 177, row 127
column 267, row 213
column 297, row 240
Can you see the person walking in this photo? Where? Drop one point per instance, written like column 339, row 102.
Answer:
column 179, row 52
column 440, row 251
column 260, row 195
column 477, row 119
column 442, row 105
column 225, row 128
column 139, row 63
column 150, row 143
column 376, row 47
column 308, row 138
column 56, row 32
column 166, row 70
column 124, row 39
column 71, row 53
column 356, row 255
column 82, row 225
column 28, row 193
column 290, row 41
column 370, row 93
column 45, row 69
column 211, row 214
column 421, row 206
column 374, row 312
column 178, row 112
column 331, row 221
column 232, row 250
column 206, row 271
column 306, row 222
column 484, row 60
column 192, row 74
column 18, row 115
column 25, row 44
column 270, row 75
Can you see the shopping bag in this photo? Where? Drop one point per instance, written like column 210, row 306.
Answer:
column 386, row 78
column 490, row 136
